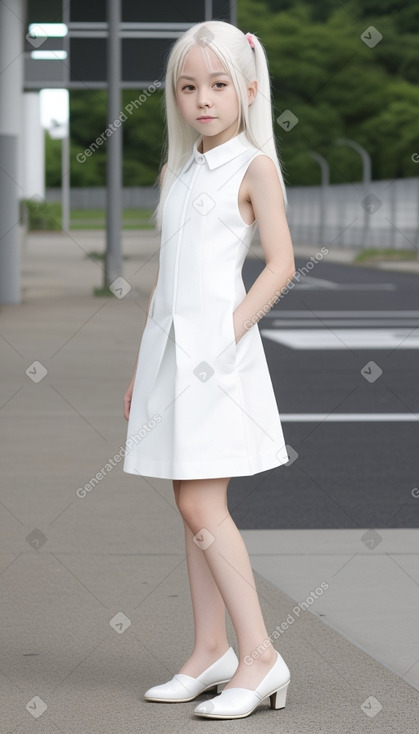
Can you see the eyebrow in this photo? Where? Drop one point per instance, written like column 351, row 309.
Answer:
column 214, row 73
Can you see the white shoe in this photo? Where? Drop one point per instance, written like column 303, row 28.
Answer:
column 236, row 703
column 184, row 687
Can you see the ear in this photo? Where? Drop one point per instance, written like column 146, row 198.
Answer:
column 251, row 92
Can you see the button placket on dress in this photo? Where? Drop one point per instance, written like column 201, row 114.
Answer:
column 180, row 238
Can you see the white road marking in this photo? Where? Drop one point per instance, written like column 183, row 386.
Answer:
column 342, row 338
column 283, row 313
column 362, row 338
column 347, row 417
column 308, row 282
column 315, row 323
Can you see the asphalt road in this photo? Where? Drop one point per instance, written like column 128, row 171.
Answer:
column 343, row 345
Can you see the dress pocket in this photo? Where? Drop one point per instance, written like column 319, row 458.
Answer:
column 225, row 339
column 231, row 350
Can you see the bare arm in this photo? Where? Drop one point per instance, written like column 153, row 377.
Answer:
column 128, row 393
column 265, row 194
column 162, row 172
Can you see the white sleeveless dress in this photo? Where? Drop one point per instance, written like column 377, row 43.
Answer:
column 202, row 405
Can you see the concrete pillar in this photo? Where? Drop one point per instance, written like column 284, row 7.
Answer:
column 12, row 32
column 113, row 260
column 33, row 147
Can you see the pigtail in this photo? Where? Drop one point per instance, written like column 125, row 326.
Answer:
column 260, row 126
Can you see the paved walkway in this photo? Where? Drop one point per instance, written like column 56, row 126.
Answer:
column 94, row 589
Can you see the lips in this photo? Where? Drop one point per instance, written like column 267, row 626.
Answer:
column 206, row 117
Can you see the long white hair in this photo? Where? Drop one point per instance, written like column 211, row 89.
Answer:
column 244, row 64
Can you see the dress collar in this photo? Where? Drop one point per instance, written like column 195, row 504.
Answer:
column 221, row 153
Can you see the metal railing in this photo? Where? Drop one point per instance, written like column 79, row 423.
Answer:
column 345, row 215
column 386, row 215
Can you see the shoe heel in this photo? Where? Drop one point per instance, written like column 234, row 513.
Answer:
column 220, row 686
column 278, row 698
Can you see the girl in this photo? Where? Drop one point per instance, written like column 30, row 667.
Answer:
column 200, row 405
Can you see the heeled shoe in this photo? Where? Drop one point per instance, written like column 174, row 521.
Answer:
column 184, row 687
column 236, row 703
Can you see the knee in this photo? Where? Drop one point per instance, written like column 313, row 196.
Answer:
column 202, row 505
column 188, row 509
column 193, row 512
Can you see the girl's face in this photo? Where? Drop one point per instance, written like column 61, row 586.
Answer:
column 206, row 95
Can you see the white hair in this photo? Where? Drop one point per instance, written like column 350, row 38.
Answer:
column 244, row 64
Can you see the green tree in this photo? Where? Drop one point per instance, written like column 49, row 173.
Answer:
column 321, row 69
column 142, row 126
column 337, row 86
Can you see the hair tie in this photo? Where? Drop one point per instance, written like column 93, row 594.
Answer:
column 251, row 38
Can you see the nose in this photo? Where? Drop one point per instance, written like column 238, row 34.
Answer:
column 203, row 99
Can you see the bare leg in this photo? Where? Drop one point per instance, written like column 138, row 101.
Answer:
column 203, row 505
column 208, row 607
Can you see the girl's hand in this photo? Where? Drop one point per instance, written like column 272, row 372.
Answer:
column 238, row 330
column 127, row 400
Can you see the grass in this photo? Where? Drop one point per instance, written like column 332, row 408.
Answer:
column 43, row 215
column 96, row 219
column 103, row 291
column 372, row 255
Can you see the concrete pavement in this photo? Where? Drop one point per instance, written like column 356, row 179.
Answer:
column 94, row 585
